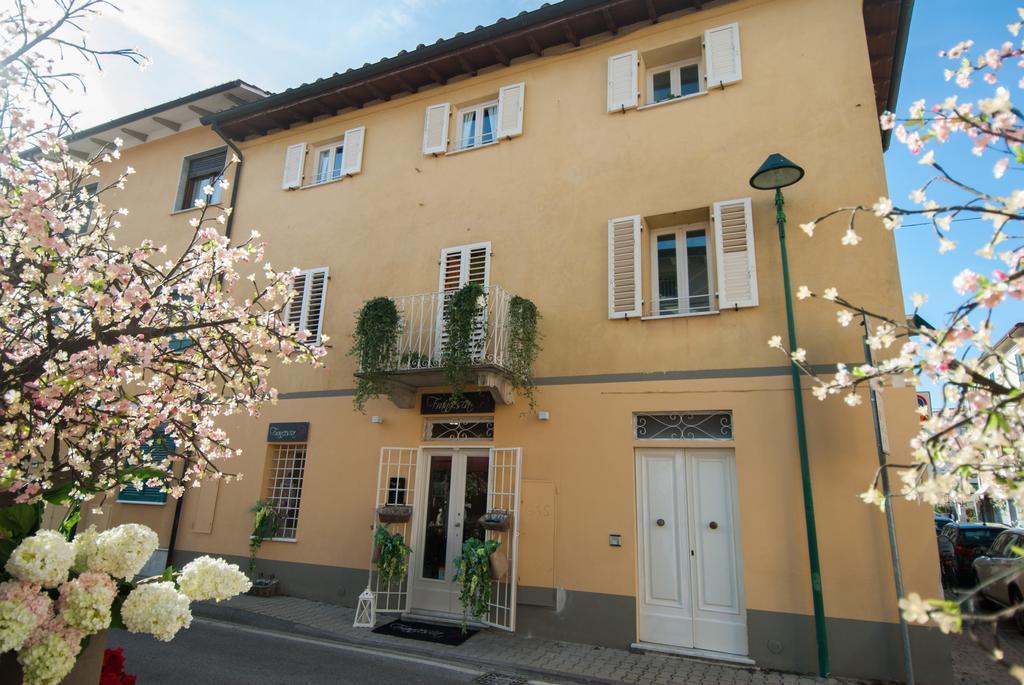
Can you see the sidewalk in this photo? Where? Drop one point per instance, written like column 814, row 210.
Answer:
column 492, row 650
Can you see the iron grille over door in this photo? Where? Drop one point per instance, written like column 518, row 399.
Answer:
column 396, row 484
column 503, row 488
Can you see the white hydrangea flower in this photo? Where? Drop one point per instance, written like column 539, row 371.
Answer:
column 16, row 625
column 209, row 578
column 83, row 544
column 85, row 601
column 43, row 559
column 123, row 551
column 46, row 661
column 158, row 609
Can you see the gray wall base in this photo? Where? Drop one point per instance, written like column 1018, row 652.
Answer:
column 859, row 649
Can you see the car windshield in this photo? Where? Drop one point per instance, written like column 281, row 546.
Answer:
column 976, row 537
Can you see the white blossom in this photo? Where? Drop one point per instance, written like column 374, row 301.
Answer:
column 209, row 578
column 122, row 551
column 830, row 294
column 803, row 292
column 775, row 341
column 915, row 609
column 157, row 609
column 43, row 559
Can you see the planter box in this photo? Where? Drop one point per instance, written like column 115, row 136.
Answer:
column 264, row 589
column 498, row 519
column 393, row 513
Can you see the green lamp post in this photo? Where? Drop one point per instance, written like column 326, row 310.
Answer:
column 776, row 173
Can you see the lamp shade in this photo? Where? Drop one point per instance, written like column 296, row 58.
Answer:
column 776, row 172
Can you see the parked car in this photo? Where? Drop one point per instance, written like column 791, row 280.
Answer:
column 941, row 520
column 969, row 541
column 999, row 570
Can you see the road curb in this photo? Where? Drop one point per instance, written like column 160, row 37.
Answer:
column 251, row 619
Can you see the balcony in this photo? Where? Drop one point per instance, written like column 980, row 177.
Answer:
column 417, row 361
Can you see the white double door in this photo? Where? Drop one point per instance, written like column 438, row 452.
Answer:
column 453, row 498
column 690, row 574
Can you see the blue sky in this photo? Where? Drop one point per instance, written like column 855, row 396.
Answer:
column 276, row 45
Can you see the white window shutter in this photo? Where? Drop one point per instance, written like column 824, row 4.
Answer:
column 317, row 294
column 294, row 160
column 623, row 91
column 352, row 155
column 510, row 110
column 435, row 129
column 296, row 306
column 722, row 55
column 734, row 252
column 624, row 293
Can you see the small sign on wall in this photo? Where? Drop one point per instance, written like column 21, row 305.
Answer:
column 924, row 405
column 445, row 403
column 288, row 432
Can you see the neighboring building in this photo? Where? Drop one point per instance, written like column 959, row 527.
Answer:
column 592, row 156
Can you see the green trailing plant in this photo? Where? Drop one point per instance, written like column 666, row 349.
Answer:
column 375, row 346
column 523, row 344
column 473, row 572
column 392, row 555
column 464, row 327
column 265, row 523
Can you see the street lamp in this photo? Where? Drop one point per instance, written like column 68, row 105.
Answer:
column 776, row 173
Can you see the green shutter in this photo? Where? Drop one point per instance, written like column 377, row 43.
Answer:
column 157, row 450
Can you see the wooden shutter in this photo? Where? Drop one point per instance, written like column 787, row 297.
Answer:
column 294, row 160
column 624, row 293
column 722, row 55
column 352, row 154
column 159, row 447
column 465, row 264
column 734, row 252
column 306, row 308
column 623, row 91
column 435, row 129
column 510, row 110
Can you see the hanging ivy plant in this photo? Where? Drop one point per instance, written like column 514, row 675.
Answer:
column 375, row 345
column 464, row 327
column 265, row 524
column 392, row 555
column 473, row 572
column 523, row 344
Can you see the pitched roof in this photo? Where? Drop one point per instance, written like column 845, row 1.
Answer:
column 527, row 34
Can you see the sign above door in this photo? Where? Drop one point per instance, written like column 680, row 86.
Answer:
column 288, row 432
column 446, row 403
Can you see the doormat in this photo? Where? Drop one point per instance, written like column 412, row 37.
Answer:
column 427, row 632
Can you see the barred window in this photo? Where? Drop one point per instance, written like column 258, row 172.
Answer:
column 284, row 488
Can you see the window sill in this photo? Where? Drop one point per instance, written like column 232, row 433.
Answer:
column 469, row 149
column 671, row 101
column 187, row 210
column 283, row 540
column 323, row 183
column 655, row 317
column 149, row 504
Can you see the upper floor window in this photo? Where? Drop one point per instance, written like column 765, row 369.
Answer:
column 305, row 310
column 680, row 277
column 329, row 160
column 675, row 80
column 478, row 125
column 200, row 171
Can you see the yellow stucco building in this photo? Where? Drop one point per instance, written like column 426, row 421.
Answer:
column 592, row 156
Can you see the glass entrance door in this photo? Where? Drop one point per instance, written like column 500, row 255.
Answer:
column 456, row 498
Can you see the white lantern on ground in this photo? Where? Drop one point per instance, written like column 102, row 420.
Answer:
column 366, row 610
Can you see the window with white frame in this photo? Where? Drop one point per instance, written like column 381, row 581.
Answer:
column 329, row 162
column 675, row 80
column 680, row 273
column 284, row 486
column 477, row 125
column 305, row 309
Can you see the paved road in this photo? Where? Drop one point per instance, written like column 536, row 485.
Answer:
column 211, row 652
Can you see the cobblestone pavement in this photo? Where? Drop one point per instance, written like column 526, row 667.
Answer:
column 494, row 650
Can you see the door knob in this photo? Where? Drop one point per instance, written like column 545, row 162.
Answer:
column 713, row 525
column 660, row 522
column 458, row 525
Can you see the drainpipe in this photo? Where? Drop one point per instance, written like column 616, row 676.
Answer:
column 878, row 422
column 227, row 234
column 238, row 177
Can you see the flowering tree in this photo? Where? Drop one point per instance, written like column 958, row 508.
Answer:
column 107, row 348
column 104, row 345
column 974, row 442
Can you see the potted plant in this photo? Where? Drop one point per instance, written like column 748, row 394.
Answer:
column 390, row 555
column 375, row 347
column 473, row 572
column 266, row 520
